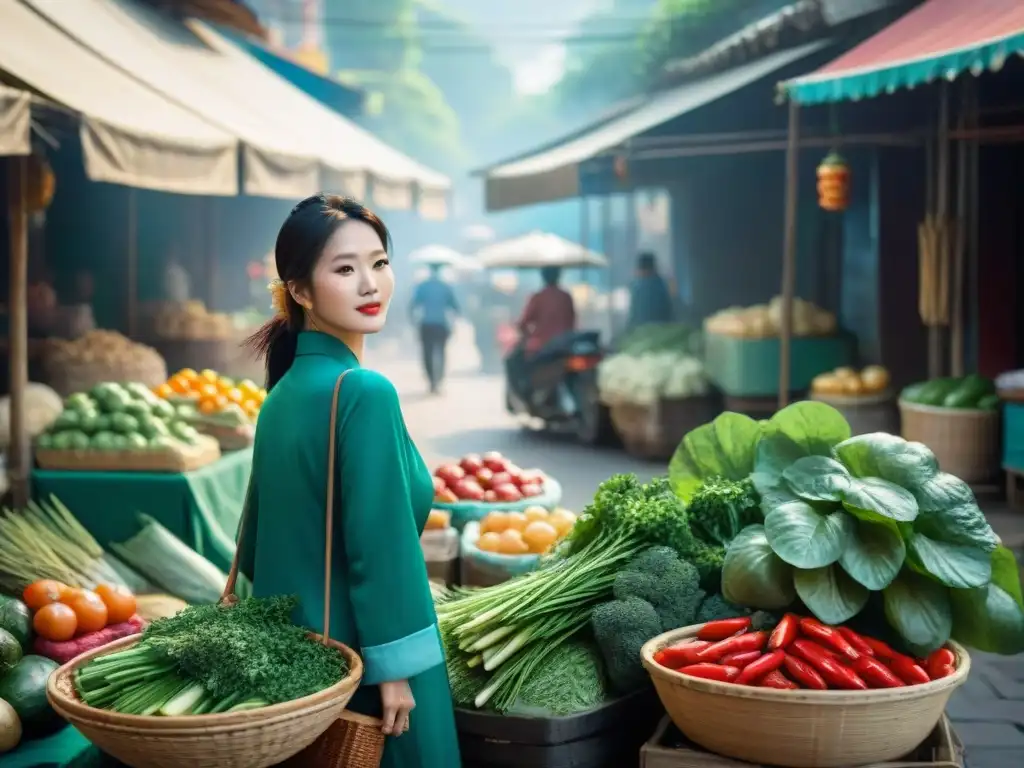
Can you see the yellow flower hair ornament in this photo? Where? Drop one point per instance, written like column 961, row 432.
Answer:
column 279, row 298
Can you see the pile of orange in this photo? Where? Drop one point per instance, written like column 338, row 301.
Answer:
column 213, row 392
column 61, row 612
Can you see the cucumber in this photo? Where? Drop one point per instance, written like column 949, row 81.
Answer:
column 934, row 393
column 969, row 392
column 912, row 392
column 989, row 403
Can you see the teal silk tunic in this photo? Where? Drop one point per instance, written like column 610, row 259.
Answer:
column 380, row 596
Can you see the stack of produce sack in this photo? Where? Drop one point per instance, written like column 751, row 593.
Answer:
column 98, row 356
column 764, row 321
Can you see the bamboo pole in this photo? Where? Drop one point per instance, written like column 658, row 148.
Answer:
column 19, row 460
column 789, row 253
column 606, row 241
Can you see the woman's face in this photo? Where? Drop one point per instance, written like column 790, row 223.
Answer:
column 352, row 282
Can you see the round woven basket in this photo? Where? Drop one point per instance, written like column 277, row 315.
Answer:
column 800, row 729
column 256, row 738
column 965, row 441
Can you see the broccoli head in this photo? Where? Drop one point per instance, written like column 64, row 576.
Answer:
column 621, row 627
column 717, row 607
column 721, row 508
column 671, row 585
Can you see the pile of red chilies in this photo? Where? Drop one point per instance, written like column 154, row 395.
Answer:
column 800, row 652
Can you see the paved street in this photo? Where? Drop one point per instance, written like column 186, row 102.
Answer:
column 468, row 416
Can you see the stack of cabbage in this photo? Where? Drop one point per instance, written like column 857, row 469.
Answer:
column 653, row 362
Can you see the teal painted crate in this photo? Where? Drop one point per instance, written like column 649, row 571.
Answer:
column 750, row 367
column 1013, row 436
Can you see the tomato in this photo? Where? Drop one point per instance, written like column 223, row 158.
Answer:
column 56, row 622
column 119, row 600
column 89, row 609
column 41, row 593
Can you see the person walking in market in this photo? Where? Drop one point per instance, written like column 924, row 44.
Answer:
column 650, row 300
column 432, row 306
column 332, row 429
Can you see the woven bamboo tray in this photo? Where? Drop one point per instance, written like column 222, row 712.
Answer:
column 229, row 438
column 669, row 749
column 183, row 459
column 258, row 738
column 800, row 729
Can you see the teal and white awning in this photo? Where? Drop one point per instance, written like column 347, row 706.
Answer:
column 940, row 39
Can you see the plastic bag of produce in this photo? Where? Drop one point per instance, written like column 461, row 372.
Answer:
column 481, row 568
column 171, row 564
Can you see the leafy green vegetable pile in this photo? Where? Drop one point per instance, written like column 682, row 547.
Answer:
column 208, row 659
column 853, row 520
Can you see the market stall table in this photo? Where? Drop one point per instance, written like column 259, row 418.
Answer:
column 201, row 507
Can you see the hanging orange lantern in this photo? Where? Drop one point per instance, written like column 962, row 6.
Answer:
column 833, row 183
column 41, row 183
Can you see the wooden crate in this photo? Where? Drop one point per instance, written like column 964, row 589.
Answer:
column 668, row 748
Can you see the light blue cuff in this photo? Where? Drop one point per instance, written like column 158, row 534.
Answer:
column 403, row 658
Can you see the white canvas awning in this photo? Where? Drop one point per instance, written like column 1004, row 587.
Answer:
column 15, row 122
column 130, row 134
column 536, row 250
column 292, row 144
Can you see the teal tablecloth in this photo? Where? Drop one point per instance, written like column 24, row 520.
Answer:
column 202, row 507
column 65, row 749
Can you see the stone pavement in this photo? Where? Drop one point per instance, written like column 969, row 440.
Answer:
column 987, row 712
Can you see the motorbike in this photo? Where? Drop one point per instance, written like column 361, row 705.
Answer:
column 558, row 385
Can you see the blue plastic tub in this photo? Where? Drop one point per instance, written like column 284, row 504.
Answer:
column 463, row 512
column 1013, row 436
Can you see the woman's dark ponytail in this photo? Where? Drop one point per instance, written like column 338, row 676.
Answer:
column 276, row 341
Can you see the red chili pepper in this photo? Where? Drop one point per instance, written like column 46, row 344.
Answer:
column 937, row 663
column 754, row 641
column 875, row 673
column 681, row 654
column 711, row 672
column 775, row 679
column 880, row 649
column 835, row 674
column 741, row 659
column 785, row 632
column 755, row 670
column 804, row 673
column 859, row 643
column 829, row 637
column 908, row 670
column 723, row 628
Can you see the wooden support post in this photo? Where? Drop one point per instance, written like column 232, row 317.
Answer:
column 132, row 259
column 936, row 362
column 19, row 458
column 789, row 254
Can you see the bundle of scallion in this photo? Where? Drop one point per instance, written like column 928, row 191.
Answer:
column 508, row 629
column 207, row 659
column 45, row 541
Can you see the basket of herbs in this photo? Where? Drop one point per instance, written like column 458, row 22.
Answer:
column 215, row 686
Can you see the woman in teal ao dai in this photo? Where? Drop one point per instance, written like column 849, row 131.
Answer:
column 335, row 285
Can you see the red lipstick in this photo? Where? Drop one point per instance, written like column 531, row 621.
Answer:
column 370, row 309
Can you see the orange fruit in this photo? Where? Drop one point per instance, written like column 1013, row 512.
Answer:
column 511, row 543
column 180, row 385
column 563, row 520
column 248, row 386
column 119, row 600
column 532, row 514
column 42, row 593
column 539, row 536
column 208, row 390
column 187, row 373
column 210, row 375
column 496, row 521
column 234, row 395
column 212, row 404
column 261, row 396
column 517, row 521
column 164, row 391
column 489, row 542
column 56, row 622
column 90, row 610
column 251, row 408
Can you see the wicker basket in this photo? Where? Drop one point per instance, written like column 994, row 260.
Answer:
column 654, row 432
column 354, row 741
column 183, row 459
column 965, row 441
column 257, row 738
column 800, row 729
column 866, row 413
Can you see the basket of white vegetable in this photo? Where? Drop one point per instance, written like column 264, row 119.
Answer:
column 654, row 399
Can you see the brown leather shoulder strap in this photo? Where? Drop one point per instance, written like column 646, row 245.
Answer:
column 332, row 450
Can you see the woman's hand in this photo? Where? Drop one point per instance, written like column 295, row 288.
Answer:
column 397, row 701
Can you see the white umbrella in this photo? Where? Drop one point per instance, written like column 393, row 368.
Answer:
column 441, row 255
column 536, row 250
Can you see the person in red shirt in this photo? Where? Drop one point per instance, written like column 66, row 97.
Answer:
column 549, row 313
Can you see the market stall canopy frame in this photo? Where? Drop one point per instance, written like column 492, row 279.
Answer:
column 536, row 250
column 553, row 173
column 130, row 135
column 938, row 39
column 15, row 122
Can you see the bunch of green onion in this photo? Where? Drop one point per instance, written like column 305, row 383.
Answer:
column 143, row 681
